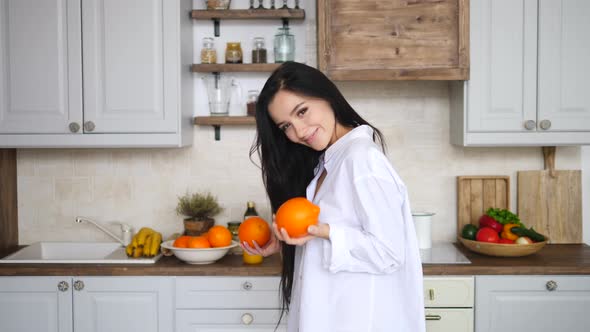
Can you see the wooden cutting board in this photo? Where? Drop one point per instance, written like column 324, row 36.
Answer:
column 475, row 194
column 551, row 201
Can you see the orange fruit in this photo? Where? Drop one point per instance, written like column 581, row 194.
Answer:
column 295, row 215
column 254, row 229
column 198, row 242
column 219, row 236
column 181, row 241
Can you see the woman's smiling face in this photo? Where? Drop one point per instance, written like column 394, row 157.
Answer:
column 305, row 120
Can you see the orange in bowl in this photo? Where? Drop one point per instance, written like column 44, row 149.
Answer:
column 219, row 236
column 181, row 241
column 198, row 242
column 296, row 215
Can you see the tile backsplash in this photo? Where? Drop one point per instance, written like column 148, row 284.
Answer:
column 140, row 186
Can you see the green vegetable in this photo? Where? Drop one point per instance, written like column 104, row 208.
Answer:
column 531, row 233
column 469, row 231
column 504, row 216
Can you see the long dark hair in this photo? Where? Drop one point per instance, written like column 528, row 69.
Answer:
column 287, row 167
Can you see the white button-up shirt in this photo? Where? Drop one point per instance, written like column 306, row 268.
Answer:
column 368, row 276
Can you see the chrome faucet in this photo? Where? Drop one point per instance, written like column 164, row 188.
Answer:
column 125, row 230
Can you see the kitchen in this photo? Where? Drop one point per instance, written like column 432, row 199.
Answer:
column 140, row 186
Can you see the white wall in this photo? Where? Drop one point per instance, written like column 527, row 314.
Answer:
column 140, row 186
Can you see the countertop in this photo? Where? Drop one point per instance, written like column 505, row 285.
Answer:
column 571, row 259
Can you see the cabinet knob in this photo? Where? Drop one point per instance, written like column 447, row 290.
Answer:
column 63, row 286
column 247, row 285
column 530, row 125
column 78, row 285
column 551, row 285
column 74, row 127
column 433, row 317
column 545, row 124
column 247, row 319
column 89, row 126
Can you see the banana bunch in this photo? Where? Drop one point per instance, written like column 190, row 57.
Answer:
column 146, row 243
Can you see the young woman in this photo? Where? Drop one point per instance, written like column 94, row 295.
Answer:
column 359, row 269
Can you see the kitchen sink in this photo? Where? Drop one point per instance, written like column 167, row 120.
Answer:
column 75, row 253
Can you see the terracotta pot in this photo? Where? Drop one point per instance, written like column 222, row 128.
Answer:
column 194, row 227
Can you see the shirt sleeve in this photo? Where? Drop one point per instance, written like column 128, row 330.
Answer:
column 378, row 246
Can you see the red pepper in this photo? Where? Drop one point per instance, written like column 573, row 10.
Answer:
column 487, row 221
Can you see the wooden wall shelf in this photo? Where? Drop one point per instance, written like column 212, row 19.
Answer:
column 225, row 120
column 246, row 14
column 218, row 121
column 231, row 67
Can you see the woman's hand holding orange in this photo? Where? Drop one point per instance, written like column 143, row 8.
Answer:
column 320, row 230
column 273, row 246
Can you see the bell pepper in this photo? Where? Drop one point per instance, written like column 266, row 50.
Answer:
column 487, row 221
column 507, row 232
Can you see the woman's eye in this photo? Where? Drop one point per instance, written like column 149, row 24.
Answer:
column 284, row 127
column 302, row 111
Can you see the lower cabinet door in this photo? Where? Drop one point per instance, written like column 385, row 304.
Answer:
column 35, row 304
column 123, row 304
column 449, row 320
column 262, row 320
column 544, row 303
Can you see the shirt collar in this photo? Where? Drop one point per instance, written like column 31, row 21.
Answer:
column 342, row 142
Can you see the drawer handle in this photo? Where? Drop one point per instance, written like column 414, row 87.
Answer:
column 551, row 285
column 247, row 319
column 431, row 294
column 247, row 285
column 433, row 317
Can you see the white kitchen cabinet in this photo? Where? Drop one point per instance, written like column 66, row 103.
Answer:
column 528, row 71
column 449, row 303
column 228, row 304
column 532, row 303
column 89, row 304
column 95, row 73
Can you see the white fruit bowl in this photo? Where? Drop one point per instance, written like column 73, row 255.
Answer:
column 198, row 256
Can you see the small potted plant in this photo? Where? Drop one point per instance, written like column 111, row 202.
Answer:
column 199, row 210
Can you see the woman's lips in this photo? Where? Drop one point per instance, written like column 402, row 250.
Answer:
column 311, row 137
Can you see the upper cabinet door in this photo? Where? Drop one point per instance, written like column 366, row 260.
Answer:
column 564, row 53
column 502, row 86
column 40, row 66
column 393, row 40
column 129, row 75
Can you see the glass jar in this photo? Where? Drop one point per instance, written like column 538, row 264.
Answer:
column 233, row 53
column 284, row 46
column 251, row 103
column 258, row 51
column 233, row 227
column 208, row 53
column 217, row 4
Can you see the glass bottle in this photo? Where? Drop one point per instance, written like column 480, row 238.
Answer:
column 250, row 210
column 251, row 103
column 258, row 51
column 233, row 53
column 208, row 53
column 284, row 45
